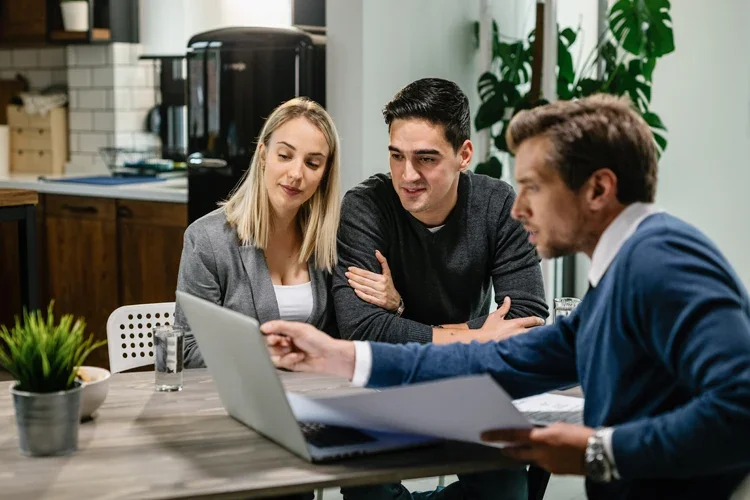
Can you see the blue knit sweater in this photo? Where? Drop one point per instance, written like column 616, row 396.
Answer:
column 661, row 348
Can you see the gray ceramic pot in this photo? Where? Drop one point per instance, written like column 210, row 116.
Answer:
column 47, row 422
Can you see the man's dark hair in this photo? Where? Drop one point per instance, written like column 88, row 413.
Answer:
column 438, row 101
column 599, row 131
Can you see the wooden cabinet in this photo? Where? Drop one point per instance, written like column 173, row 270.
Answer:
column 23, row 20
column 38, row 143
column 150, row 242
column 39, row 22
column 98, row 254
column 10, row 282
column 82, row 261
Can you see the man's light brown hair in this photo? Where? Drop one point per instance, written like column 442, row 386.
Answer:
column 600, row 131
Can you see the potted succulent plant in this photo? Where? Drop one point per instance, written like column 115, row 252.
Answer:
column 43, row 357
column 75, row 14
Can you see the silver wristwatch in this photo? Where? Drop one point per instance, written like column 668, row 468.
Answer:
column 597, row 464
column 401, row 308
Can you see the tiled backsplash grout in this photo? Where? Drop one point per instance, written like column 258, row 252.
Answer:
column 41, row 67
column 109, row 92
column 111, row 100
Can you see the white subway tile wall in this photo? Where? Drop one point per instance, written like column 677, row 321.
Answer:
column 25, row 58
column 79, row 78
column 52, row 58
column 103, row 77
column 123, row 99
column 104, row 121
column 41, row 67
column 111, row 92
column 92, row 99
column 80, row 121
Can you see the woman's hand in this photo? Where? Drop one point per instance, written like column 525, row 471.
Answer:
column 377, row 289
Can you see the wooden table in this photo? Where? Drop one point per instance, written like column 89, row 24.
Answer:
column 149, row 445
column 20, row 205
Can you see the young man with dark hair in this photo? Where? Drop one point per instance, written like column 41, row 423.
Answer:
column 420, row 250
column 660, row 343
column 445, row 235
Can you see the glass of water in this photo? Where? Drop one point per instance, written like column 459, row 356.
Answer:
column 565, row 305
column 168, row 344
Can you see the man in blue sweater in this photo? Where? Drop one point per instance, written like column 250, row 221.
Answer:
column 660, row 343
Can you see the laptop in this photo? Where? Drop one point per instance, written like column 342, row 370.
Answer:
column 250, row 390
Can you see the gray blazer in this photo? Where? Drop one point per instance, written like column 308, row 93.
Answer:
column 215, row 267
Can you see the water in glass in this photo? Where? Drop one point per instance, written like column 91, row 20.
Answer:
column 168, row 344
column 565, row 305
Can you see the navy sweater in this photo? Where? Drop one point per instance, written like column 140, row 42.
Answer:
column 661, row 348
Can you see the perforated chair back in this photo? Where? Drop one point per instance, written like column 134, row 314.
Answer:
column 129, row 334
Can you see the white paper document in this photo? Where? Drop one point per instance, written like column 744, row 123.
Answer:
column 457, row 408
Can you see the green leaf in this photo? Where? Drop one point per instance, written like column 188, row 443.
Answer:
column 43, row 355
column 569, row 36
column 495, row 40
column 491, row 168
column 643, row 27
column 647, row 68
column 653, row 120
column 496, row 96
column 608, row 54
column 661, row 142
column 475, row 31
column 515, row 62
column 588, row 86
column 656, row 125
column 565, row 70
column 499, row 139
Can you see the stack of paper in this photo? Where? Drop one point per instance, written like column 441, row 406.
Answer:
column 458, row 408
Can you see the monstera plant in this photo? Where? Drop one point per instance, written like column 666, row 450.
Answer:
column 622, row 63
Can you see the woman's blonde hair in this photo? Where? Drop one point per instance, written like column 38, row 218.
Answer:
column 248, row 208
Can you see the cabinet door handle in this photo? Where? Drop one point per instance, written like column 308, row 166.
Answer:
column 124, row 212
column 80, row 210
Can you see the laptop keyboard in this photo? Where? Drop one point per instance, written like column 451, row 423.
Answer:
column 328, row 436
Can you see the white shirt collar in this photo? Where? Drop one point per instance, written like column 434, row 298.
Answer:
column 615, row 236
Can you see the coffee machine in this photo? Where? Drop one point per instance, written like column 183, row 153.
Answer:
column 235, row 78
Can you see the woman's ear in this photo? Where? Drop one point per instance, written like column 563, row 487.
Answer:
column 262, row 155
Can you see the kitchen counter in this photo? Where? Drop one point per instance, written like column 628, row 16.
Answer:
column 170, row 190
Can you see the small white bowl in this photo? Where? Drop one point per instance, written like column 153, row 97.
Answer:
column 95, row 391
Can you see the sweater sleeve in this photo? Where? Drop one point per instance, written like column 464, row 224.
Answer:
column 538, row 361
column 361, row 232
column 516, row 272
column 692, row 316
column 197, row 276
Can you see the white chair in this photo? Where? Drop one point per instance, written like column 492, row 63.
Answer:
column 129, row 337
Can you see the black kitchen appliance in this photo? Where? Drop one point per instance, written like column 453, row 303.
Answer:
column 236, row 77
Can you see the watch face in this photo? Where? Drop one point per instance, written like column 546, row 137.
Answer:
column 595, row 470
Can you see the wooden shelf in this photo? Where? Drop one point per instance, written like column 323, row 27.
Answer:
column 97, row 35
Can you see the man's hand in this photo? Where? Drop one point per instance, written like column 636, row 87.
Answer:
column 497, row 328
column 377, row 289
column 559, row 448
column 301, row 347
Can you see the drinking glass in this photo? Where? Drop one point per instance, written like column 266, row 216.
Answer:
column 565, row 305
column 168, row 344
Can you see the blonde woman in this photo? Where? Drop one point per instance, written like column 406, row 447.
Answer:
column 269, row 250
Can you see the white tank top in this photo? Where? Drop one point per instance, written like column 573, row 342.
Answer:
column 295, row 301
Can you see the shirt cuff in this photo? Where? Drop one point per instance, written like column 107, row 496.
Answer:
column 606, row 434
column 362, row 363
